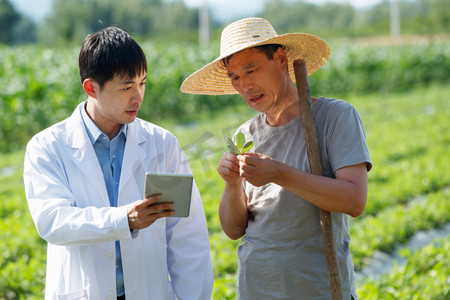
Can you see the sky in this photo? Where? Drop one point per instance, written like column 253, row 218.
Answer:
column 222, row 10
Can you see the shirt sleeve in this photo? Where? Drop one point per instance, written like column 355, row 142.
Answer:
column 346, row 141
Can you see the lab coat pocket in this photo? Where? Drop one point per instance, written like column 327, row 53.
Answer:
column 75, row 295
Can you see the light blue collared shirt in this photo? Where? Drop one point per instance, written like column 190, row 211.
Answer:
column 110, row 156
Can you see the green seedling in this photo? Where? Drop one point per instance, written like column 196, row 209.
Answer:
column 240, row 147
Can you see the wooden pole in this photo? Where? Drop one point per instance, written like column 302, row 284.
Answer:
column 315, row 161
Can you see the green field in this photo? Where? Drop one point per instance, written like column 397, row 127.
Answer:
column 400, row 92
column 408, row 134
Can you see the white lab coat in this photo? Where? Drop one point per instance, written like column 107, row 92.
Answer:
column 69, row 204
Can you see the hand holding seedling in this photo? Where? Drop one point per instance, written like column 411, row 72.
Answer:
column 258, row 169
column 240, row 147
column 229, row 164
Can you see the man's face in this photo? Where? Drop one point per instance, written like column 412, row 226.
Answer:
column 259, row 80
column 118, row 102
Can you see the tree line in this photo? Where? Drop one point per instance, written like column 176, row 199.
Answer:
column 69, row 20
column 338, row 19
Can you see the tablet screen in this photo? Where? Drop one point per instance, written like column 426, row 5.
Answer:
column 176, row 188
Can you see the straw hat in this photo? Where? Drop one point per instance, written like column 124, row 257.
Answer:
column 212, row 79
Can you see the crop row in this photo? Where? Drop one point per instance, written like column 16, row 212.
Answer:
column 426, row 275
column 396, row 224
column 408, row 154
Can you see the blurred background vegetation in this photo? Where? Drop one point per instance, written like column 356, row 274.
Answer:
column 371, row 52
column 70, row 20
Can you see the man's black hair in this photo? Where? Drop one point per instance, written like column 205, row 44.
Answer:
column 268, row 50
column 109, row 52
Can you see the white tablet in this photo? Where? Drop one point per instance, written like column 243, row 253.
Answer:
column 176, row 188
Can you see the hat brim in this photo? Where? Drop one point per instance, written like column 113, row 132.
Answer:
column 213, row 79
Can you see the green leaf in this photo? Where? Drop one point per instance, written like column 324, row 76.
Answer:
column 231, row 146
column 247, row 147
column 240, row 140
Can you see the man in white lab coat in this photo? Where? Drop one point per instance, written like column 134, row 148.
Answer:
column 84, row 182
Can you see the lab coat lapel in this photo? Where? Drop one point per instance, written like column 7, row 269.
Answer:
column 84, row 156
column 134, row 155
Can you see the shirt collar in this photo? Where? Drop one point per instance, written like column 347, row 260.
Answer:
column 93, row 131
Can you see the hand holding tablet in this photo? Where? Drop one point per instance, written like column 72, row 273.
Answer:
column 176, row 188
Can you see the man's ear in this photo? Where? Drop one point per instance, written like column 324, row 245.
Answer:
column 90, row 87
column 281, row 56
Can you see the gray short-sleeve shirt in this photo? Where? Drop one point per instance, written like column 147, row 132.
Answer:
column 282, row 254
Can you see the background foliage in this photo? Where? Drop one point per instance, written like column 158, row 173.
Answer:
column 36, row 95
column 71, row 20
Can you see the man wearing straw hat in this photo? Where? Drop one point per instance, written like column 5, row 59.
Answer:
column 270, row 198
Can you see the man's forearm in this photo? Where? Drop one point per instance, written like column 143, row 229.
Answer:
column 233, row 211
column 347, row 193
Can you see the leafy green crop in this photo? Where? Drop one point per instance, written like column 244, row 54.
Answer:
column 425, row 276
column 374, row 233
column 240, row 147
